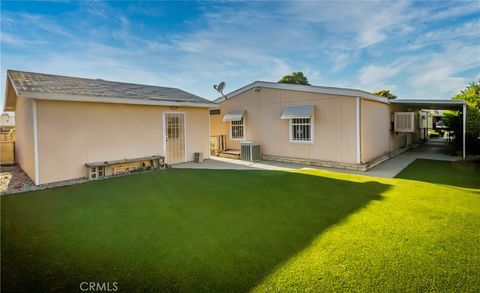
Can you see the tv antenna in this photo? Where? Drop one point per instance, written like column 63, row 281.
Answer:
column 219, row 88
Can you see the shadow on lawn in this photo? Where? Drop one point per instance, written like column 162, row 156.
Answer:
column 174, row 230
column 460, row 174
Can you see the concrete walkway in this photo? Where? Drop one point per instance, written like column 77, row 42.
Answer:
column 433, row 150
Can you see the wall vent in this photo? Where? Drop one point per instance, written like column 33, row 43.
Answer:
column 404, row 122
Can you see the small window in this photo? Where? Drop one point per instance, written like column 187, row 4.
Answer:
column 215, row 112
column 237, row 129
column 301, row 130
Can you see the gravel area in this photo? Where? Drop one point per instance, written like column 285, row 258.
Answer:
column 13, row 180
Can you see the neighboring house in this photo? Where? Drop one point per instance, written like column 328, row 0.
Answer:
column 7, row 123
column 325, row 126
column 69, row 127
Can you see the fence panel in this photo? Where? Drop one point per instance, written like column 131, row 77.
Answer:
column 7, row 152
column 7, row 137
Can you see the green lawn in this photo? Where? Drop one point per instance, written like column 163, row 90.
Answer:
column 219, row 230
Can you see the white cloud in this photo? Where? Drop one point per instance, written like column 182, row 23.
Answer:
column 354, row 44
column 9, row 39
column 441, row 74
column 465, row 31
column 377, row 75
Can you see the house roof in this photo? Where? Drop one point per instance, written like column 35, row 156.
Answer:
column 57, row 87
column 306, row 88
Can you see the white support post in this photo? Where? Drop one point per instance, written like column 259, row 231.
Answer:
column 464, row 128
column 359, row 160
column 35, row 142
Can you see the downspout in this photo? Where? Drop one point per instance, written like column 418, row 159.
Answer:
column 464, row 127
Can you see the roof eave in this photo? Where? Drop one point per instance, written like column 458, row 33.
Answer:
column 428, row 101
column 311, row 89
column 114, row 100
column 9, row 83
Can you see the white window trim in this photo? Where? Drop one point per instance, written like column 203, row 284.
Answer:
column 312, row 132
column 244, row 130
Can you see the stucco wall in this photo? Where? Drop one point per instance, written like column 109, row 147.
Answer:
column 334, row 124
column 24, row 146
column 71, row 134
column 375, row 128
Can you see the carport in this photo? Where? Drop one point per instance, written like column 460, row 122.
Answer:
column 437, row 104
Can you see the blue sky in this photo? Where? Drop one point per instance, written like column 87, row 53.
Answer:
column 428, row 49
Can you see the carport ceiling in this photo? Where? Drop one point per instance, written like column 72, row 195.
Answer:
column 431, row 104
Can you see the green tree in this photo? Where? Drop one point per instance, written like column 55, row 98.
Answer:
column 471, row 95
column 453, row 119
column 295, row 78
column 385, row 93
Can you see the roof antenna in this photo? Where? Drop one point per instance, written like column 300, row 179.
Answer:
column 219, row 88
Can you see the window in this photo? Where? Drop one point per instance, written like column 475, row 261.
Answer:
column 237, row 129
column 215, row 112
column 301, row 130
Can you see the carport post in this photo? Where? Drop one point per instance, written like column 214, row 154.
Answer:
column 464, row 127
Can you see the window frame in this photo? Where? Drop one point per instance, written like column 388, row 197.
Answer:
column 244, row 128
column 312, row 131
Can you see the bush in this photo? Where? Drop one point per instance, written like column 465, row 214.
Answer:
column 454, row 120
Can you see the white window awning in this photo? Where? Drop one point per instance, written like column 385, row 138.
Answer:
column 291, row 112
column 234, row 116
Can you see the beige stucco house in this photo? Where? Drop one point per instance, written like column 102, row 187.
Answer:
column 69, row 127
column 325, row 126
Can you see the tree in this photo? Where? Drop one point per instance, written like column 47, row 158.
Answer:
column 295, row 78
column 453, row 119
column 471, row 95
column 385, row 93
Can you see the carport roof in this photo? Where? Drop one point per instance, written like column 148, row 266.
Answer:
column 437, row 104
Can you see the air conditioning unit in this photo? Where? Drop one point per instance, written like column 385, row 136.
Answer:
column 404, row 121
column 250, row 151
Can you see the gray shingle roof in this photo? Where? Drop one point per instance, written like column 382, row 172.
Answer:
column 48, row 83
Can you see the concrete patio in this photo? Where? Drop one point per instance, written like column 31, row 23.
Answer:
column 432, row 150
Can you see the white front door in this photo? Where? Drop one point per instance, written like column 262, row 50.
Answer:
column 174, row 137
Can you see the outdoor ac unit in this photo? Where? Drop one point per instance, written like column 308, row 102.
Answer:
column 404, row 121
column 250, row 151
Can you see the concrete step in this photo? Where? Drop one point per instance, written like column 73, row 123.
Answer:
column 230, row 155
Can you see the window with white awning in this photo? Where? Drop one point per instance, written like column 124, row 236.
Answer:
column 234, row 116
column 300, row 123
column 303, row 111
column 237, row 124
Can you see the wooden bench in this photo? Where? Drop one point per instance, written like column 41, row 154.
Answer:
column 115, row 167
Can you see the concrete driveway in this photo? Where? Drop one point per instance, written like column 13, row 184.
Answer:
column 432, row 150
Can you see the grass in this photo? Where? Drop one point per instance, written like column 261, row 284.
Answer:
column 218, row 230
column 459, row 174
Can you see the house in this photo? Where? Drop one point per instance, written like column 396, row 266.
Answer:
column 324, row 126
column 68, row 127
